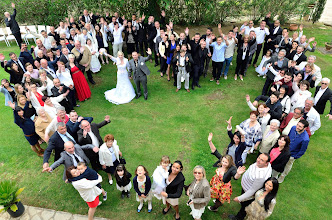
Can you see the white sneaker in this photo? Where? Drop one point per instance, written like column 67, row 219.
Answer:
column 225, row 77
column 264, row 77
column 110, row 182
column 259, row 75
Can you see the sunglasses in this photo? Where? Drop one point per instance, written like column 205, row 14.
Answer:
column 324, row 83
column 197, row 172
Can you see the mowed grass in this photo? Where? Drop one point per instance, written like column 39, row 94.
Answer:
column 177, row 125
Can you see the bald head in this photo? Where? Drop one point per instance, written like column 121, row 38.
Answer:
column 69, row 147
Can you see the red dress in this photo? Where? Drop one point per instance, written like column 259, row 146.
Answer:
column 220, row 190
column 81, row 85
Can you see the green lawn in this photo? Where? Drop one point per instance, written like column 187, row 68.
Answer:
column 174, row 124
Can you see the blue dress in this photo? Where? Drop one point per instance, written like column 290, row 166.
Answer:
column 170, row 55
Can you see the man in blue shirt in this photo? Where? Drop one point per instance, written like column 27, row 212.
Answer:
column 299, row 140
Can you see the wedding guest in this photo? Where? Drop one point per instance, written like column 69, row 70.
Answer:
column 123, row 183
column 311, row 115
column 243, row 53
column 280, row 155
column 265, row 58
column 323, row 94
column 42, row 122
column 95, row 64
column 198, row 192
column 252, row 180
column 218, row 57
column 14, row 70
column 160, row 175
column 12, row 24
column 118, row 40
column 221, row 188
column 8, row 91
column 28, row 128
column 270, row 136
column 265, row 200
column 109, row 156
column 300, row 94
column 130, row 38
column 142, row 186
column 173, row 192
column 87, row 190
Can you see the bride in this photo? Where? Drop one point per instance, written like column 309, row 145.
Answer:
column 124, row 91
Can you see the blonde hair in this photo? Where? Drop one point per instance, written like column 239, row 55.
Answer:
column 229, row 158
column 18, row 100
column 202, row 168
column 165, row 159
column 71, row 56
column 120, row 53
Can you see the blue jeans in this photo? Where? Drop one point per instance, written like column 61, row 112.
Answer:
column 227, row 63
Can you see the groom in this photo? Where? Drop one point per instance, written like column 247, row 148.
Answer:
column 139, row 70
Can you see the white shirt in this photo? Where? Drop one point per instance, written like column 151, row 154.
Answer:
column 276, row 30
column 229, row 52
column 111, row 26
column 319, row 94
column 47, row 43
column 65, row 77
column 208, row 43
column 87, row 188
column 94, row 139
column 290, row 124
column 158, row 34
column 260, row 34
column 51, row 71
column 182, row 61
column 247, row 29
column 296, row 56
column 118, row 35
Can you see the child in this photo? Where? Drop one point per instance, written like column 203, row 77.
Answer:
column 182, row 61
column 89, row 174
column 160, row 175
column 122, row 177
column 142, row 186
column 264, row 59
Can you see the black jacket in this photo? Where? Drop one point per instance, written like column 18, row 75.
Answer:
column 12, row 24
column 299, row 60
column 327, row 96
column 123, row 181
column 280, row 162
column 174, row 189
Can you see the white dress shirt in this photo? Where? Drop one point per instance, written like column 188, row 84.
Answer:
column 319, row 94
column 94, row 139
column 260, row 34
column 158, row 34
column 117, row 34
column 65, row 77
column 247, row 29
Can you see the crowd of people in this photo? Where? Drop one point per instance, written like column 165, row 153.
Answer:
column 47, row 80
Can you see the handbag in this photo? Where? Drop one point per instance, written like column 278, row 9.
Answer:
column 122, row 160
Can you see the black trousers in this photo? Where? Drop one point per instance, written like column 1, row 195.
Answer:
column 163, row 65
column 241, row 66
column 89, row 74
column 141, row 80
column 142, row 49
column 152, row 47
column 216, row 72
column 18, row 38
column 94, row 159
column 72, row 97
column 242, row 213
column 195, row 71
column 267, row 46
column 267, row 84
column 258, row 51
column 207, row 62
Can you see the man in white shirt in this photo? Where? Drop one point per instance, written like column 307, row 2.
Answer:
column 247, row 27
column 46, row 40
column 323, row 94
column 261, row 32
column 39, row 47
column 252, row 180
column 311, row 115
column 303, row 42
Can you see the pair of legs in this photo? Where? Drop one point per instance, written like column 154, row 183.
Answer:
column 163, row 66
column 140, row 206
column 176, row 208
column 196, row 74
column 287, row 169
column 225, row 66
column 168, row 72
column 91, row 213
column 207, row 62
column 116, row 49
column 37, row 149
column 141, row 80
column 102, row 55
column 240, row 68
column 258, row 51
column 217, row 66
column 182, row 73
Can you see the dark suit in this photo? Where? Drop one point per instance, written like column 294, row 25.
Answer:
column 67, row 160
column 327, row 96
column 56, row 37
column 94, row 158
column 64, row 59
column 272, row 36
column 141, row 38
column 270, row 76
column 73, row 128
column 55, row 143
column 66, row 102
column 281, row 42
column 14, row 77
column 299, row 60
column 12, row 24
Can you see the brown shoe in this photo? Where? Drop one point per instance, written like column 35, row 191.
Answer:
column 176, row 90
column 188, row 90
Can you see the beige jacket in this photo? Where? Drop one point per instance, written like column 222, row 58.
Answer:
column 200, row 194
column 269, row 141
column 86, row 58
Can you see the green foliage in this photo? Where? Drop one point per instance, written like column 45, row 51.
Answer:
column 318, row 10
column 8, row 195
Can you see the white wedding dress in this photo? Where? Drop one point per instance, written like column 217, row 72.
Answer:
column 124, row 91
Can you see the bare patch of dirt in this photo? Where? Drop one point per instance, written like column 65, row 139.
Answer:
column 216, row 95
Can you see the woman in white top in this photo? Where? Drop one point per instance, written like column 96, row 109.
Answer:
column 95, row 64
column 46, row 81
column 265, row 200
column 124, row 91
column 265, row 58
column 263, row 117
column 300, row 94
column 87, row 190
column 118, row 40
column 109, row 156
